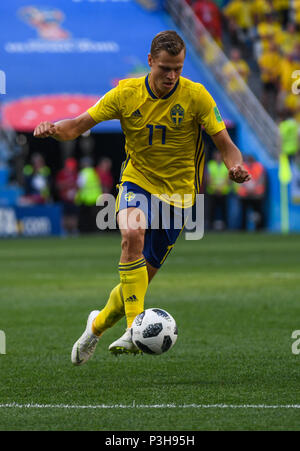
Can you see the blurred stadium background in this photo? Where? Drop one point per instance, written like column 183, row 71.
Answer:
column 58, row 60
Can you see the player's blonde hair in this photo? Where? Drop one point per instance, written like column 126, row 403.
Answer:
column 169, row 41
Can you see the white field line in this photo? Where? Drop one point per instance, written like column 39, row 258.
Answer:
column 150, row 406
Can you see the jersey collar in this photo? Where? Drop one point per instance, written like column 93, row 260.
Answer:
column 152, row 93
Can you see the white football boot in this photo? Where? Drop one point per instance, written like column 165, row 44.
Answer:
column 85, row 346
column 124, row 345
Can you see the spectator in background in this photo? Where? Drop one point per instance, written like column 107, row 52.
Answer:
column 268, row 32
column 37, row 181
column 211, row 53
column 8, row 146
column 290, row 38
column 270, row 64
column 295, row 55
column 240, row 22
column 290, row 62
column 292, row 103
column 236, row 64
column 285, row 81
column 259, row 10
column 268, row 27
column 218, row 187
column 103, row 169
column 289, row 134
column 89, row 189
column 66, row 185
column 295, row 12
column 282, row 8
column 252, row 194
column 210, row 16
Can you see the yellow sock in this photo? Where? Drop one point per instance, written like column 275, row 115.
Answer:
column 134, row 282
column 111, row 313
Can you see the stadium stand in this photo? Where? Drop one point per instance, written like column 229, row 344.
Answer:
column 69, row 55
column 252, row 30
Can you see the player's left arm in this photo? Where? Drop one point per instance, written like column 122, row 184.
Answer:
column 232, row 157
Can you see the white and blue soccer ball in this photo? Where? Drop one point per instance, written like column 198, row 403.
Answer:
column 154, row 331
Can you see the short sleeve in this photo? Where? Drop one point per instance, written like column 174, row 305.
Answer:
column 107, row 107
column 208, row 113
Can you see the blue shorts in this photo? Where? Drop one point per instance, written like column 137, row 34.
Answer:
column 164, row 222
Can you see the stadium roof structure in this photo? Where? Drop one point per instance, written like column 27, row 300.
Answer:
column 60, row 57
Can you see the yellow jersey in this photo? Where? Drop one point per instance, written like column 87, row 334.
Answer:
column 270, row 65
column 259, row 9
column 229, row 70
column 163, row 136
column 240, row 12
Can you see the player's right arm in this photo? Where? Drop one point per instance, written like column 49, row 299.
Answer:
column 107, row 108
column 65, row 130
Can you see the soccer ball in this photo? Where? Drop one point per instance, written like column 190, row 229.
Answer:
column 154, row 331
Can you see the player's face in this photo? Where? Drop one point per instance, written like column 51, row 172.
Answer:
column 165, row 71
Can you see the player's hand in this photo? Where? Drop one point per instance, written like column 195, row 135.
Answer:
column 44, row 130
column 239, row 174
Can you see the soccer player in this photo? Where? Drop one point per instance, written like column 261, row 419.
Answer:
column 161, row 116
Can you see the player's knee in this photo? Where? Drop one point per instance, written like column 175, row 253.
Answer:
column 132, row 242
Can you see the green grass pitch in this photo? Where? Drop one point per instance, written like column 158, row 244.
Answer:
column 236, row 299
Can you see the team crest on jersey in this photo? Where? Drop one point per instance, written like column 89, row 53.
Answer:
column 177, row 114
column 129, row 196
